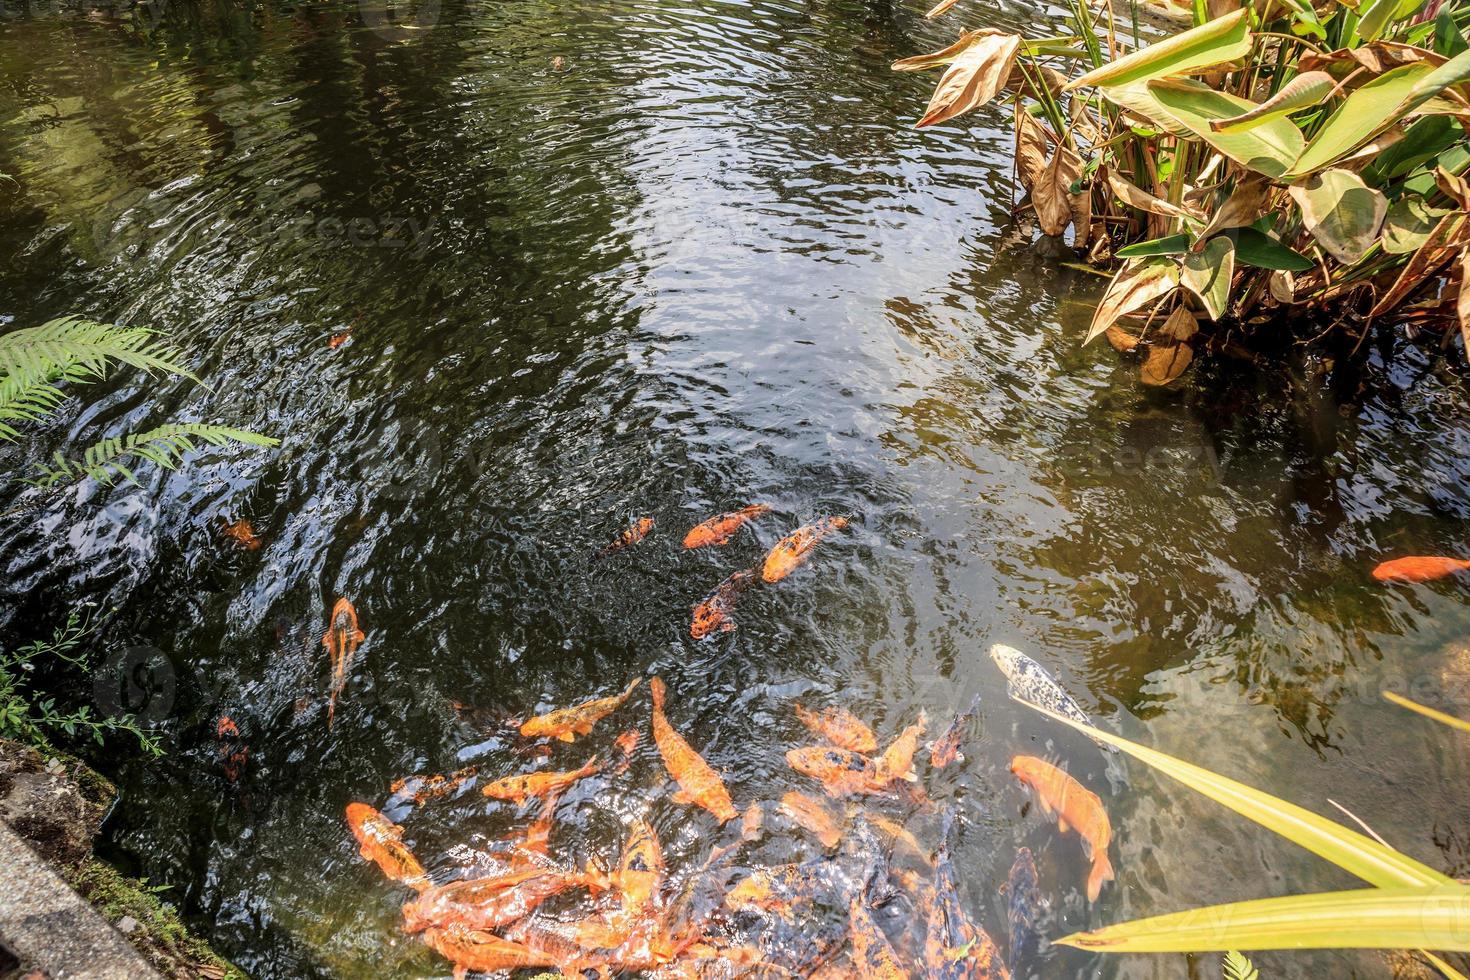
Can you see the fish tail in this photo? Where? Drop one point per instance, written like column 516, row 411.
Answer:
column 656, row 688
column 1102, row 870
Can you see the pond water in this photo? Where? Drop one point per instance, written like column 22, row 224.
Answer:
column 701, row 260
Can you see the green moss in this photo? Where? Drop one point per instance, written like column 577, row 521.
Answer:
column 159, row 934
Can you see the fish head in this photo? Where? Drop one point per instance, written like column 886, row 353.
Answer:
column 1008, row 659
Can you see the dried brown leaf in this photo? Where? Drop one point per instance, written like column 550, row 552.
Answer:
column 936, row 59
column 1171, row 353
column 1455, row 187
column 1031, row 143
column 975, row 77
column 1137, row 284
column 1441, row 245
column 1282, row 285
column 1123, row 342
column 1246, row 203
column 1136, row 197
column 1462, row 299
column 940, row 8
column 1053, row 198
column 1378, row 57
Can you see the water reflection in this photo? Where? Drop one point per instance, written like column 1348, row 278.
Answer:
column 700, row 261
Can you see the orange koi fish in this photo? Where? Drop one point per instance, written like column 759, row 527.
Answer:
column 380, row 840
column 1418, row 569
column 719, row 530
column 897, row 761
column 840, row 771
column 1077, row 808
column 946, row 748
column 422, row 789
column 628, row 538
column 699, row 784
column 567, row 723
column 243, row 534
column 840, row 727
column 873, row 954
column 713, row 613
column 493, row 903
column 338, row 339
column 535, row 843
column 641, row 870
column 898, row 834
column 341, row 640
column 518, row 789
column 812, row 815
column 792, row 551
column 627, row 744
column 230, row 747
column 472, row 949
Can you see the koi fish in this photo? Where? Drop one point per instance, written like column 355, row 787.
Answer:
column 792, row 551
column 899, row 834
column 338, row 339
column 946, row 748
column 473, row 949
column 713, row 613
column 873, row 955
column 954, row 947
column 719, row 530
column 699, row 784
column 1024, row 908
column 781, row 889
column 840, row 771
column 567, row 723
column 230, row 747
column 897, row 761
column 812, row 815
column 422, row 789
column 840, row 727
column 627, row 744
column 243, row 533
column 628, row 538
column 640, row 879
column 341, row 640
column 1077, row 808
column 536, row 841
column 380, row 840
column 1029, row 682
column 1419, row 569
column 518, row 789
column 493, row 903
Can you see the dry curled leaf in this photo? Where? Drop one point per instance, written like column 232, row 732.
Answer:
column 940, row 8
column 1056, row 205
column 1031, row 146
column 1122, row 341
column 1170, row 353
column 1246, row 203
column 975, row 77
column 1136, row 197
column 1454, row 186
column 1137, row 284
column 1462, row 299
column 1443, row 242
column 1282, row 285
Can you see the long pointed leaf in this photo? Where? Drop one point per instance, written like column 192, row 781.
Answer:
column 1221, row 40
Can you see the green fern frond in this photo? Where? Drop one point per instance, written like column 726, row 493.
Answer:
column 164, row 446
column 81, row 349
column 1234, row 966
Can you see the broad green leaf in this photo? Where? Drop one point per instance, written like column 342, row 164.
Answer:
column 1428, row 712
column 1447, row 38
column 1367, row 110
column 1452, row 72
column 1207, row 274
column 1255, row 248
column 1137, row 98
column 1139, row 283
column 1307, row 89
column 1374, row 16
column 1408, row 224
column 1356, row 853
column 1425, row 139
column 1431, row 917
column 1269, row 148
column 1342, row 213
column 1222, row 39
column 1172, row 245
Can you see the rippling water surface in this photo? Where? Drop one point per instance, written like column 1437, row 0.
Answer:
column 607, row 260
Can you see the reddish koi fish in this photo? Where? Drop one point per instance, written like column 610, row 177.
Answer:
column 718, row 531
column 380, row 840
column 473, row 949
column 230, row 747
column 242, row 532
column 699, row 784
column 1077, row 808
column 897, row 761
column 946, row 748
column 567, row 723
column 493, row 903
column 873, row 955
column 840, row 771
column 840, row 727
column 518, row 789
column 813, row 816
column 899, row 834
column 1419, row 569
column 338, row 339
column 341, row 640
column 627, row 744
column 713, row 613
column 792, row 551
column 629, row 538
column 422, row 789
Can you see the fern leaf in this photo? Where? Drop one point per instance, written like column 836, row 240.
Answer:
column 164, row 446
column 1235, row 966
column 83, row 348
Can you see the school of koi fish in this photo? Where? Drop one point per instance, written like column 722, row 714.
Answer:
column 870, row 901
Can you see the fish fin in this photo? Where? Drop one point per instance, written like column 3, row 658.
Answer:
column 460, row 971
column 327, row 639
column 1062, row 824
column 1087, row 848
column 566, row 737
column 1102, row 870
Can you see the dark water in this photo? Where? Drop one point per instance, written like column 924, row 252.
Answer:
column 702, row 262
